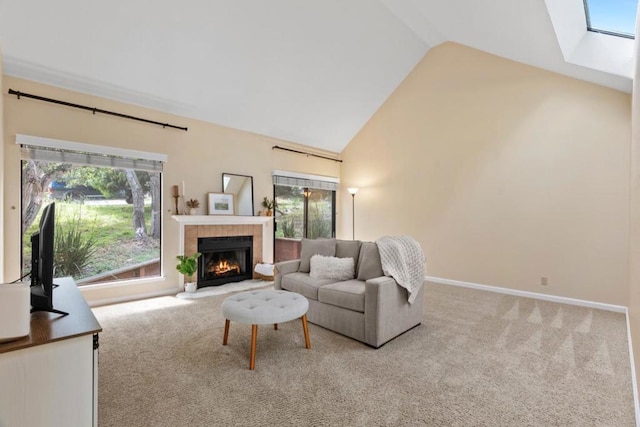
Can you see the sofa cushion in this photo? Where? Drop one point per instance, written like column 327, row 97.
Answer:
column 348, row 294
column 348, row 249
column 311, row 247
column 369, row 266
column 303, row 284
column 330, row 267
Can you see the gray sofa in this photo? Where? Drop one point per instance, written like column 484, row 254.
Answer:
column 371, row 307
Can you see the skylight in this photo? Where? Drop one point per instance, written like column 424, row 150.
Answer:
column 613, row 17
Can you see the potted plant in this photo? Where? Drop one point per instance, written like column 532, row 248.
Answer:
column 268, row 204
column 193, row 204
column 188, row 265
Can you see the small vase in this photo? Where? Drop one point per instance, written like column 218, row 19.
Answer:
column 269, row 213
column 193, row 211
column 190, row 287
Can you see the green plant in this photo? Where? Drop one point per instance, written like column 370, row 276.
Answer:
column 188, row 265
column 73, row 248
column 193, row 203
column 115, row 244
column 318, row 226
column 288, row 227
column 268, row 203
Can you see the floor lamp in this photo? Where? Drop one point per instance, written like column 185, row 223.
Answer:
column 353, row 192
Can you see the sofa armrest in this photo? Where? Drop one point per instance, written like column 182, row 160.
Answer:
column 387, row 310
column 282, row 268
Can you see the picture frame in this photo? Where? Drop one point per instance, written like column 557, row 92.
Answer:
column 220, row 204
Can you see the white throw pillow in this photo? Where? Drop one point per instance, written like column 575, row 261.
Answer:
column 330, row 267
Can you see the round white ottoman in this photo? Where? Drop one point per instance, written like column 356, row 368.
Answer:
column 261, row 308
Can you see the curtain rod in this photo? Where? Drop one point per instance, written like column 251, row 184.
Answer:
column 275, row 147
column 92, row 109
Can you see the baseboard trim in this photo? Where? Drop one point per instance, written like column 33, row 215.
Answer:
column 527, row 294
column 127, row 298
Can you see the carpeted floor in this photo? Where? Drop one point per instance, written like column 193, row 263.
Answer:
column 479, row 358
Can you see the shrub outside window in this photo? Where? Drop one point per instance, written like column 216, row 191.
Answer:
column 108, row 210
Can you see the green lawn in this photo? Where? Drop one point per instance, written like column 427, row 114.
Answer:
column 111, row 227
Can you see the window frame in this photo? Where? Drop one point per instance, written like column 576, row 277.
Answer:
column 601, row 31
column 150, row 162
column 323, row 183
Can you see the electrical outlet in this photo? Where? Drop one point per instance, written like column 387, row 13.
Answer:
column 544, row 281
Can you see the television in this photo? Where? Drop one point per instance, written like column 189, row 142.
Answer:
column 42, row 251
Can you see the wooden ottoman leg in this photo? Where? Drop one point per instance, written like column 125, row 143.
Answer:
column 254, row 338
column 226, row 332
column 305, row 328
column 275, row 326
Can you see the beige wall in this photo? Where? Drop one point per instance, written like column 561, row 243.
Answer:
column 2, row 278
column 634, row 229
column 198, row 157
column 505, row 173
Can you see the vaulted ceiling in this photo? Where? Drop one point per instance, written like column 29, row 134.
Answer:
column 311, row 72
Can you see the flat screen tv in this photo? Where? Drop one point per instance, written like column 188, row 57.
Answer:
column 42, row 252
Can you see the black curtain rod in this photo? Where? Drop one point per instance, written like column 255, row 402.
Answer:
column 275, row 147
column 92, row 109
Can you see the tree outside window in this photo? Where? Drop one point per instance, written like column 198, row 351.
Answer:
column 301, row 212
column 107, row 219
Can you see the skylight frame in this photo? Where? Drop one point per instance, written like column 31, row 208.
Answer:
column 597, row 30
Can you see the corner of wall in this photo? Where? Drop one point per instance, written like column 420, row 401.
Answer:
column 1, row 163
column 633, row 316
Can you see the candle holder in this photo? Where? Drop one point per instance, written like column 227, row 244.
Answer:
column 176, row 198
column 175, row 193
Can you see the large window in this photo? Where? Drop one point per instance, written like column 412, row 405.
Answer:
column 305, row 207
column 613, row 17
column 108, row 212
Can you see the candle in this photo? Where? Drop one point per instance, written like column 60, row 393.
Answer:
column 174, row 190
column 184, row 192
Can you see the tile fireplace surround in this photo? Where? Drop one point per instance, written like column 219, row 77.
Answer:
column 194, row 226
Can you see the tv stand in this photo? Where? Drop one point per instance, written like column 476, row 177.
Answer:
column 50, row 377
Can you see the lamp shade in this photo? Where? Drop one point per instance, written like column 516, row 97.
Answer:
column 352, row 190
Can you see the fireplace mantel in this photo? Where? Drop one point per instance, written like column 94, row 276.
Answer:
column 229, row 220
column 222, row 219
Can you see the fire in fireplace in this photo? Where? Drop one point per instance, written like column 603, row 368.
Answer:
column 223, row 267
column 224, row 260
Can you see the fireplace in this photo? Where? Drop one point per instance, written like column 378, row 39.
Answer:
column 224, row 260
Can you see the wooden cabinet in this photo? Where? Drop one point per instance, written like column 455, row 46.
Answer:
column 50, row 378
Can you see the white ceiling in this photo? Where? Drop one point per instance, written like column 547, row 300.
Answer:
column 311, row 72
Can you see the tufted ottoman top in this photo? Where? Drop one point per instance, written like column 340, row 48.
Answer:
column 263, row 307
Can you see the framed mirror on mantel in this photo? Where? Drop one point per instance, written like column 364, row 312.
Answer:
column 241, row 186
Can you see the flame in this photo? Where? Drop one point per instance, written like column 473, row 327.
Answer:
column 224, row 267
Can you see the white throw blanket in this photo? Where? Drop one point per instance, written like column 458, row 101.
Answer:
column 402, row 258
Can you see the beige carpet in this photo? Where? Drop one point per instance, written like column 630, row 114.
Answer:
column 479, row 358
